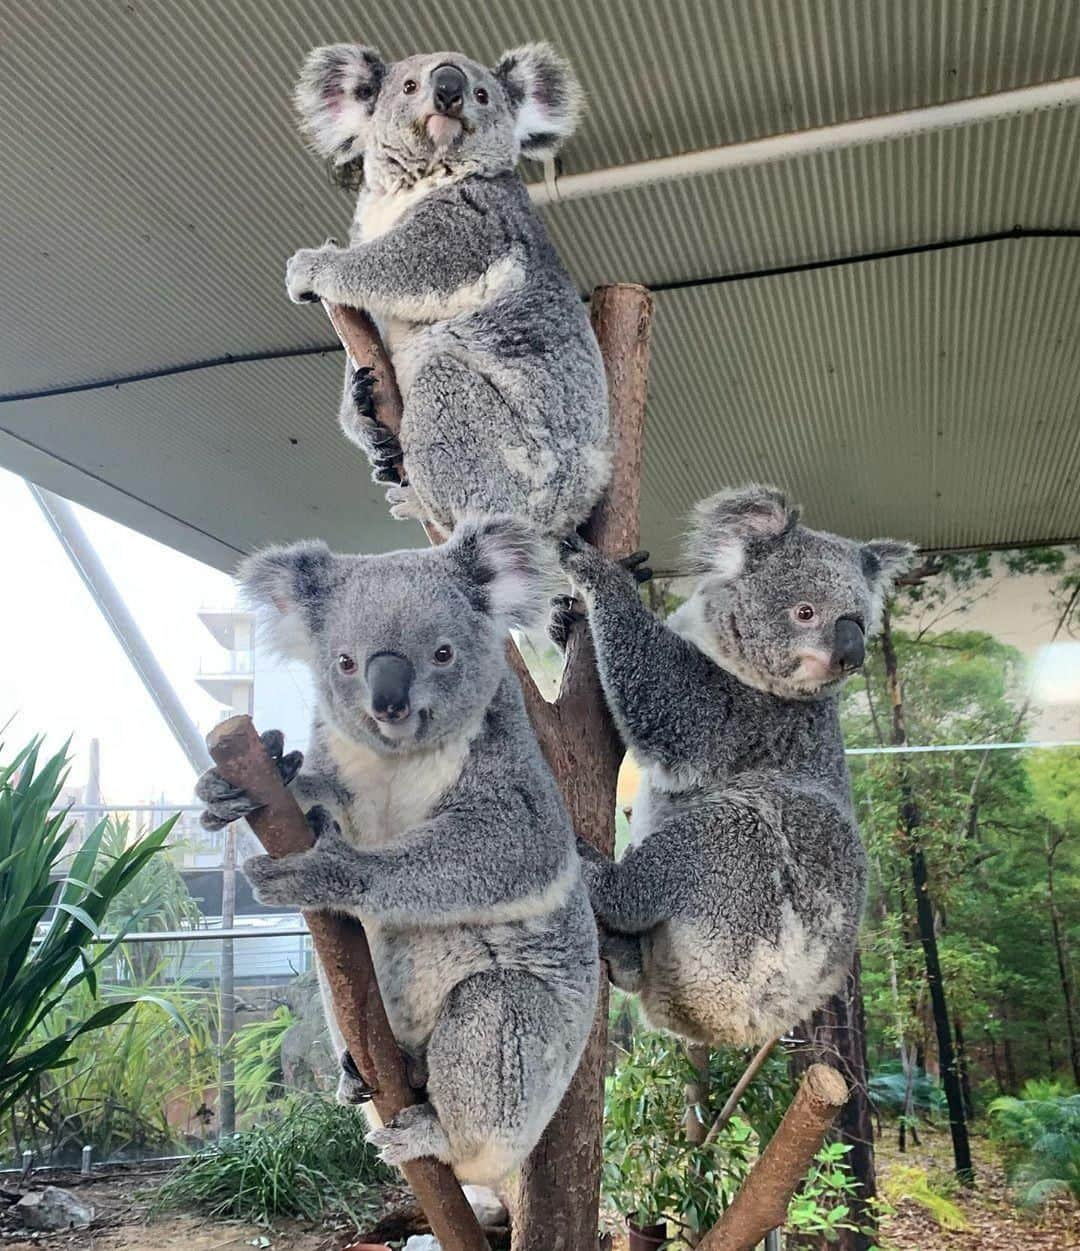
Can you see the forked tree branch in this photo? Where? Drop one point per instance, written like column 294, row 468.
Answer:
column 342, row 949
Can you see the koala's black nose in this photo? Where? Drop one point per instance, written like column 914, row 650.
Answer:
column 849, row 645
column 389, row 677
column 449, row 84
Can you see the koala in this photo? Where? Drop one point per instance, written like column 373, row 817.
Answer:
column 504, row 393
column 440, row 826
column 734, row 912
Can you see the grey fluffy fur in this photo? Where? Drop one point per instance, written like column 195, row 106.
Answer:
column 444, row 832
column 735, row 911
column 505, row 404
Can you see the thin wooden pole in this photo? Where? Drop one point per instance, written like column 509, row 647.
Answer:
column 342, row 949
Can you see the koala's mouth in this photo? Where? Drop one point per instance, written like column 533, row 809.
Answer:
column 413, row 729
column 443, row 130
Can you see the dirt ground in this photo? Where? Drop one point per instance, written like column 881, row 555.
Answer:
column 121, row 1201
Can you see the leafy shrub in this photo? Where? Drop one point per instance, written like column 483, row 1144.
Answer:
column 886, row 1087
column 1040, row 1134
column 309, row 1159
column 48, row 921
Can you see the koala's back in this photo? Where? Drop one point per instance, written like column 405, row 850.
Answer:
column 506, row 397
column 763, row 925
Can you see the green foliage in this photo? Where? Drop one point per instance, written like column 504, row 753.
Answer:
column 1055, row 779
column 649, row 1167
column 257, row 1053
column 1040, row 1134
column 47, row 927
column 887, row 1087
column 309, row 1159
column 123, row 1080
column 914, row 1185
column 822, row 1206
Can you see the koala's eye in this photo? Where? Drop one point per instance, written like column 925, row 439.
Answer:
column 444, row 654
column 346, row 663
column 363, row 91
column 804, row 612
column 409, row 86
column 481, row 95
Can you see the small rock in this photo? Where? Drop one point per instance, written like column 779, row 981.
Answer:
column 52, row 1209
column 489, row 1208
column 423, row 1242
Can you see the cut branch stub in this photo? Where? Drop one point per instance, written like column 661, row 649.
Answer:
column 342, row 949
column 762, row 1202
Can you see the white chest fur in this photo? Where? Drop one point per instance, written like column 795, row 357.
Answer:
column 393, row 794
column 379, row 211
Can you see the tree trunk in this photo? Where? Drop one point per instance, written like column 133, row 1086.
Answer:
column 962, row 1069
column 1053, row 842
column 559, row 1191
column 924, row 908
column 836, row 1035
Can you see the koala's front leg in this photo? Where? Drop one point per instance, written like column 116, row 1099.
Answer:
column 325, row 876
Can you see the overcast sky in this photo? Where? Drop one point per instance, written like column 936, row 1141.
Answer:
column 63, row 673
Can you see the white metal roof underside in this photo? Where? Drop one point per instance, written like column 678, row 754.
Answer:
column 152, row 184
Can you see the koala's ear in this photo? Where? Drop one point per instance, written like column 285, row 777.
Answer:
column 544, row 95
column 501, row 562
column 726, row 522
column 336, row 96
column 289, row 587
column 883, row 561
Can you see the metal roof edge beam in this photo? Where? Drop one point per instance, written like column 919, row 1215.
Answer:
column 1063, row 93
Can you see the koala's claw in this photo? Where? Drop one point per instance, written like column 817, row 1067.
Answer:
column 589, row 853
column 321, row 823
column 635, row 564
column 363, row 392
column 352, row 1089
column 566, row 612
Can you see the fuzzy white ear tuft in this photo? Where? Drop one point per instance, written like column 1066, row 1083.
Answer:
column 288, row 588
column 883, row 561
column 336, row 96
column 545, row 95
column 727, row 522
column 501, row 559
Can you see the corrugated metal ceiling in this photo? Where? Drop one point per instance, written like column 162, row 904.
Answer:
column 152, row 185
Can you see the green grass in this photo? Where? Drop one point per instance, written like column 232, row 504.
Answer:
column 308, row 1160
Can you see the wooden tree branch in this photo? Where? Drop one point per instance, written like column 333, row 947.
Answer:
column 762, row 1202
column 741, row 1086
column 343, row 951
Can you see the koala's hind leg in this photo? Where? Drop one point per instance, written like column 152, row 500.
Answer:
column 359, row 421
column 499, row 1061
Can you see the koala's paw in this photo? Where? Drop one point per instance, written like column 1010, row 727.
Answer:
column 635, row 565
column 590, row 854
column 303, row 272
column 415, row 1132
column 279, row 882
column 226, row 803
column 404, row 504
column 566, row 612
column 362, row 390
column 324, row 829
column 351, row 1087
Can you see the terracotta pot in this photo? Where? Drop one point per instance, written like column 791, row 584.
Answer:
column 645, row 1237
